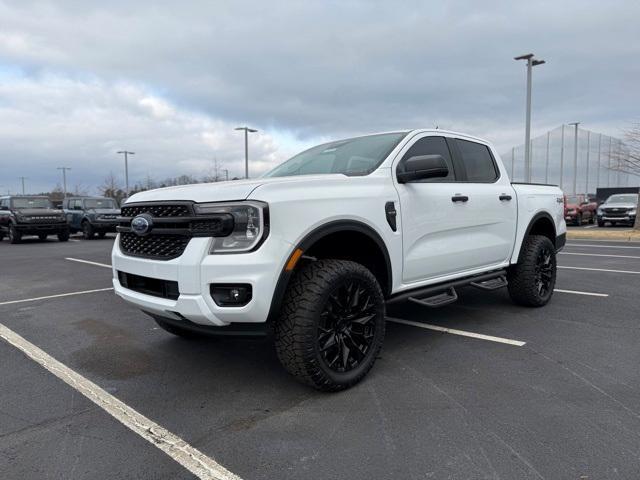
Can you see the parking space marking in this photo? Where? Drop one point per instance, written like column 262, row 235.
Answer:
column 600, row 270
column 597, row 246
column 598, row 255
column 79, row 260
column 189, row 457
column 591, row 294
column 57, row 296
column 453, row 331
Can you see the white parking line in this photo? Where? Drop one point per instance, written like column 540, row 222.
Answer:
column 598, row 255
column 88, row 262
column 56, row 296
column 192, row 459
column 597, row 246
column 600, row 270
column 453, row 331
column 591, row 294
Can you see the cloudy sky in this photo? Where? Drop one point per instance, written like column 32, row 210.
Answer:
column 82, row 79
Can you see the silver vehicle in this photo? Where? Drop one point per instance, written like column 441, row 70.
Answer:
column 618, row 209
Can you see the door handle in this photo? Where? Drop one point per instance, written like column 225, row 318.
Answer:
column 459, row 198
column 504, row 197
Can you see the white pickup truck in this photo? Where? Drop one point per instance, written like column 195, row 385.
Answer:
column 313, row 251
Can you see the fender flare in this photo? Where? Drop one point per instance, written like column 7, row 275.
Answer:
column 532, row 222
column 314, row 236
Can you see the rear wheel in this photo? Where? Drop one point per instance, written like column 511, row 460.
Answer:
column 87, row 230
column 578, row 219
column 14, row 235
column 331, row 325
column 102, row 234
column 532, row 279
column 592, row 219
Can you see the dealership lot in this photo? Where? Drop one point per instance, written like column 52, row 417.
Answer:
column 478, row 389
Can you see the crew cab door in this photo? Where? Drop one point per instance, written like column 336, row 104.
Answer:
column 457, row 223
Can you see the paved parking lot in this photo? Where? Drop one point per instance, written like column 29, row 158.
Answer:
column 541, row 393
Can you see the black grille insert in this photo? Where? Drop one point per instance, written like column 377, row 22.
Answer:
column 149, row 286
column 163, row 247
column 170, row 210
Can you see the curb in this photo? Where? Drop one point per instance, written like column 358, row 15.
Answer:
column 628, row 235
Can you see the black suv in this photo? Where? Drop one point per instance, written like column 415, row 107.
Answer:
column 91, row 215
column 31, row 215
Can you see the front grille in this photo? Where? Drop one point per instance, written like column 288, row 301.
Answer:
column 615, row 212
column 43, row 219
column 162, row 247
column 179, row 210
column 149, row 286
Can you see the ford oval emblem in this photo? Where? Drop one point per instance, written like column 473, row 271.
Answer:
column 142, row 224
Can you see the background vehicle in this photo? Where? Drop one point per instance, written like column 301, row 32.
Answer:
column 316, row 249
column 579, row 209
column 91, row 215
column 619, row 209
column 31, row 215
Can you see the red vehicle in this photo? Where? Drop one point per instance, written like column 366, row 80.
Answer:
column 578, row 209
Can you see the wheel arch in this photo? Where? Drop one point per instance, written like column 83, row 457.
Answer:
column 337, row 239
column 541, row 224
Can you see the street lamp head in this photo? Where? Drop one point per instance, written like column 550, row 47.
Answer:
column 537, row 62
column 524, row 57
column 574, row 123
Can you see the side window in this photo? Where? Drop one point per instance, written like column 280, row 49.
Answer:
column 431, row 146
column 478, row 162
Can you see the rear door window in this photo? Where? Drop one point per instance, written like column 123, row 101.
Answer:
column 478, row 161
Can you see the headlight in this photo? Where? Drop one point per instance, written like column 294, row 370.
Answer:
column 600, row 211
column 633, row 212
column 250, row 225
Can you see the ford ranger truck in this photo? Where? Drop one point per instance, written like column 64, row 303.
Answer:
column 315, row 250
column 31, row 215
column 619, row 209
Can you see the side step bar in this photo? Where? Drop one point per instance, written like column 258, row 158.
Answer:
column 444, row 293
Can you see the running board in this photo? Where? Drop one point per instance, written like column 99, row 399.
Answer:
column 437, row 300
column 444, row 293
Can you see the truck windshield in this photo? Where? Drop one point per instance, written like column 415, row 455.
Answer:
column 99, row 203
column 573, row 200
column 630, row 198
column 353, row 157
column 30, row 202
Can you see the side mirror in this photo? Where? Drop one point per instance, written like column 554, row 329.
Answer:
column 421, row 167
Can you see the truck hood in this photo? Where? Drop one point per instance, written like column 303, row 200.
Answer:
column 28, row 212
column 222, row 191
column 618, row 205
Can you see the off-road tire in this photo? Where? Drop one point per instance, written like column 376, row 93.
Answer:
column 14, row 235
column 522, row 277
column 102, row 234
column 42, row 237
column 600, row 223
column 176, row 330
column 1, row 236
column 63, row 237
column 297, row 328
column 87, row 230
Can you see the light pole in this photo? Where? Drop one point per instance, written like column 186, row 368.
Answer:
column 561, row 155
column 64, row 179
column 226, row 174
column 247, row 130
column 531, row 62
column 575, row 156
column 586, row 188
column 23, row 179
column 126, row 168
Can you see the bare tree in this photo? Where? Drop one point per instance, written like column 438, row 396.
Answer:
column 627, row 159
column 111, row 189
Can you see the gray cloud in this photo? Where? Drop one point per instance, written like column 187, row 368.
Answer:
column 303, row 70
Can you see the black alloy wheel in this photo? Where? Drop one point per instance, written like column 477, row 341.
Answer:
column 347, row 328
column 544, row 271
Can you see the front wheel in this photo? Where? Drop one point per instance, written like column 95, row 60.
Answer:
column 331, row 325
column 63, row 236
column 14, row 235
column 87, row 230
column 42, row 237
column 102, row 234
column 532, row 279
column 578, row 219
column 600, row 223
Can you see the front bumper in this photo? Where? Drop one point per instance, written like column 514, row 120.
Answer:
column 38, row 228
column 626, row 219
column 105, row 225
column 195, row 270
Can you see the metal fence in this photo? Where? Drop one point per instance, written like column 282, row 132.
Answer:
column 553, row 161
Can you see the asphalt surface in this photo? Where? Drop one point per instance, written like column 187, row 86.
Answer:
column 436, row 405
